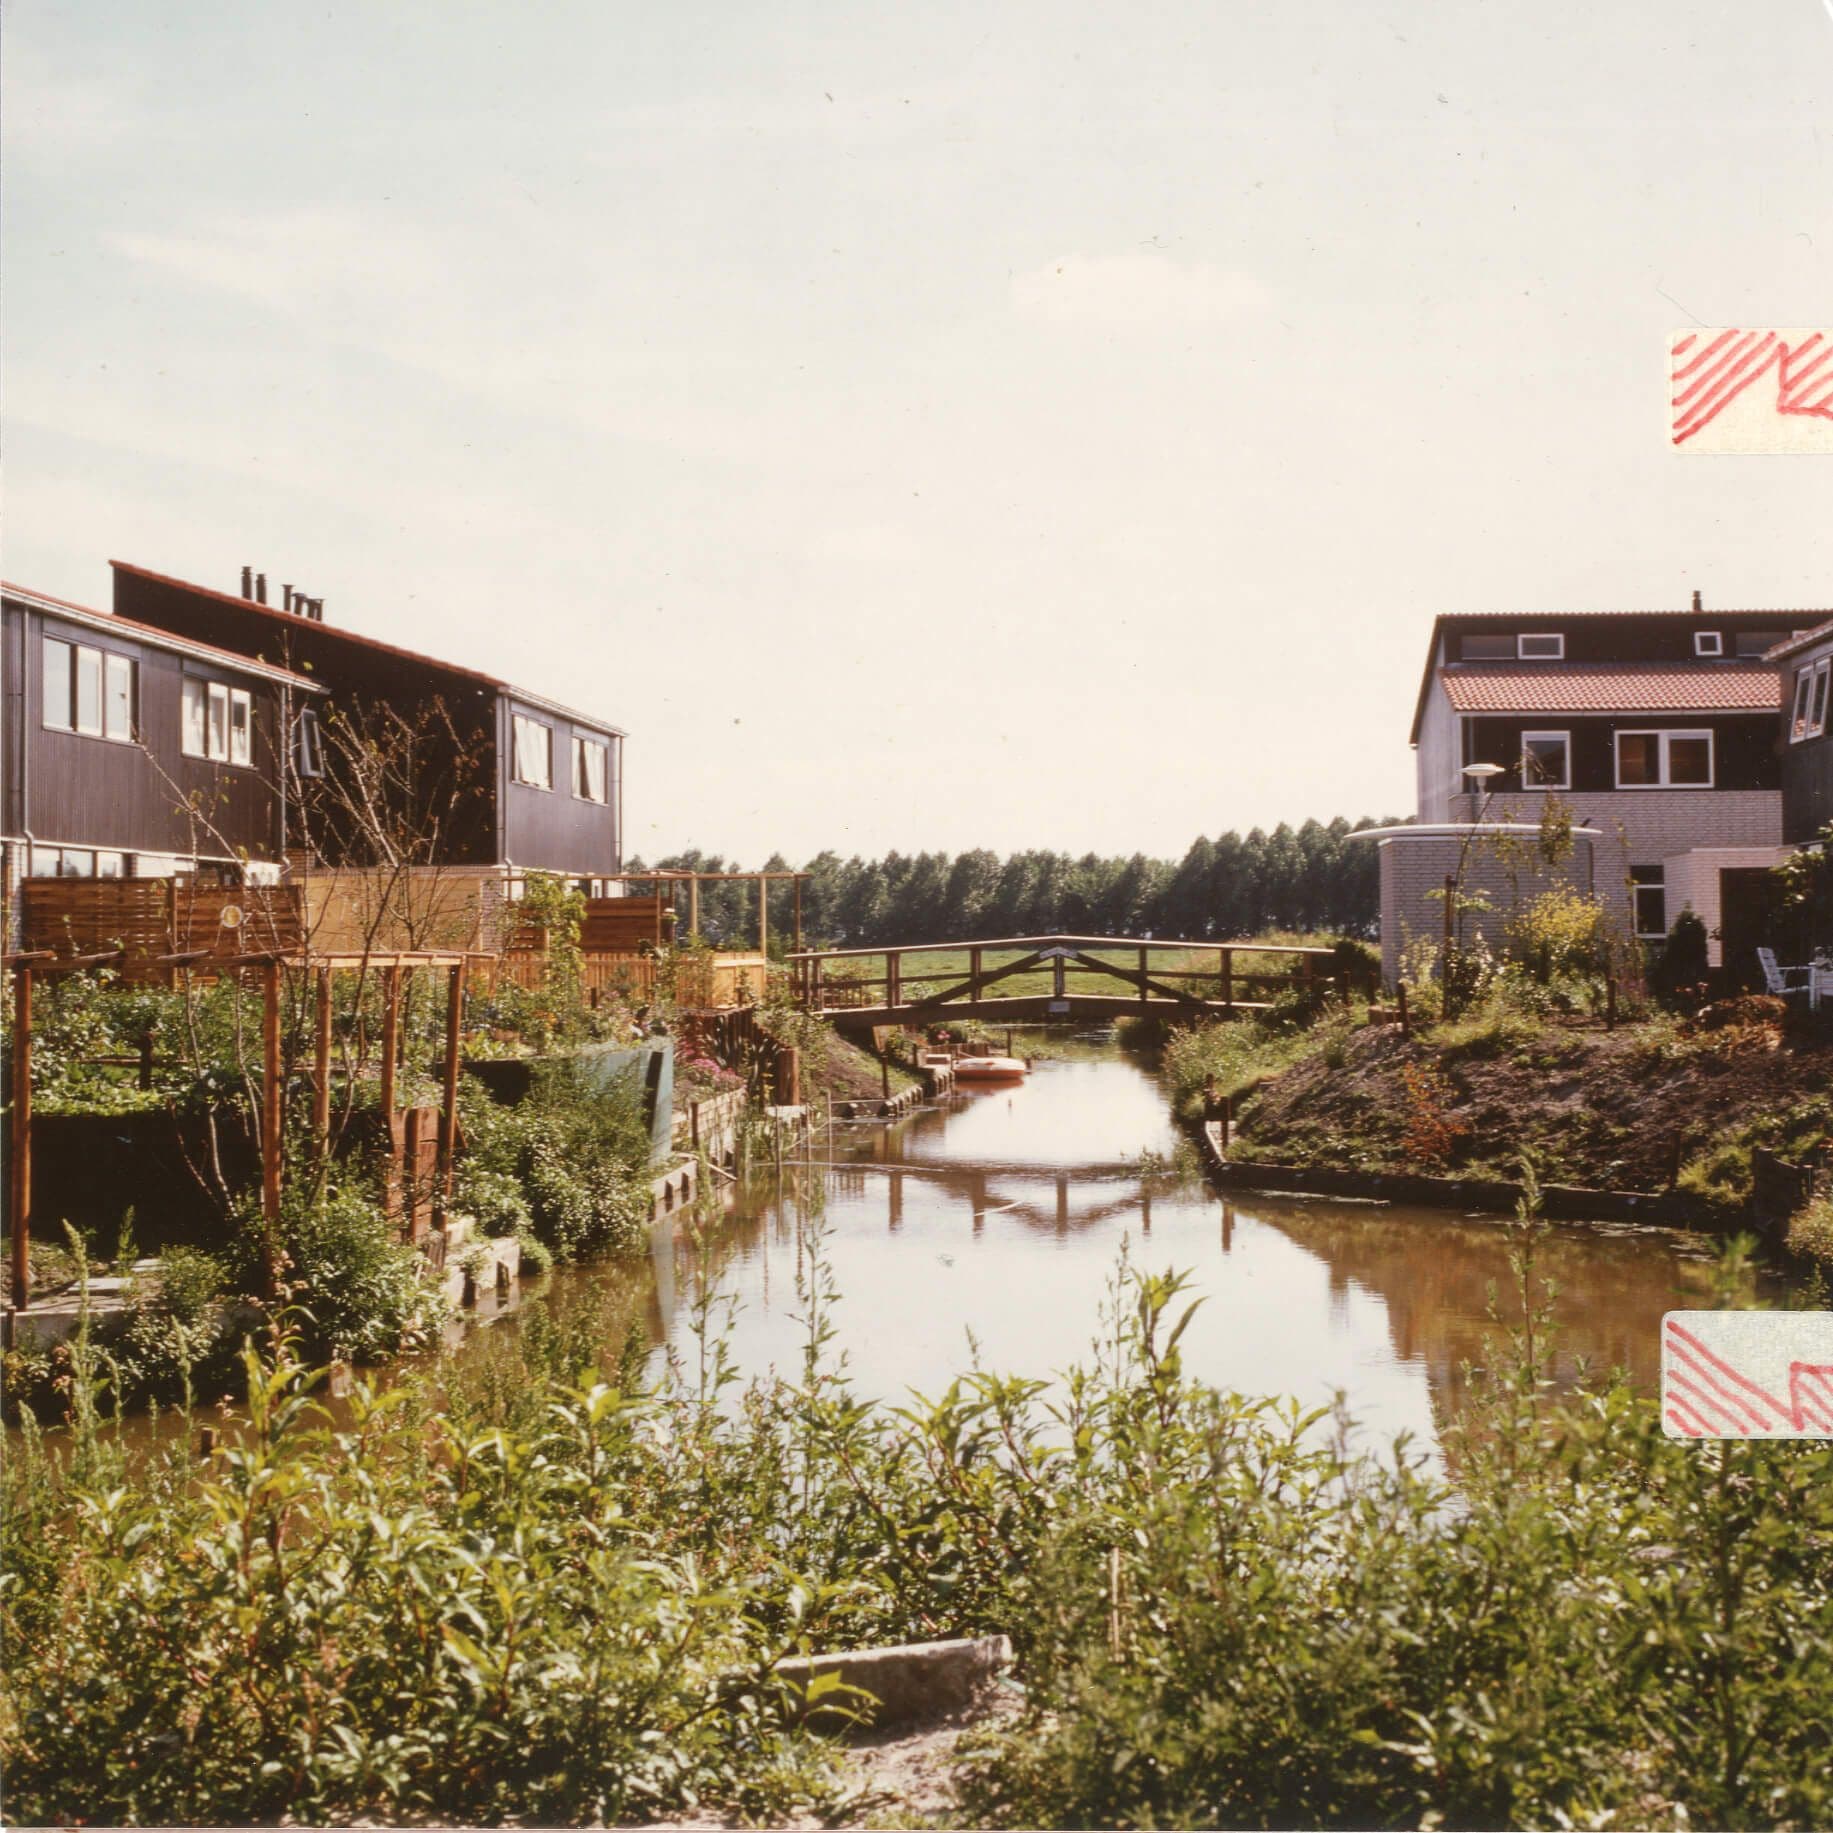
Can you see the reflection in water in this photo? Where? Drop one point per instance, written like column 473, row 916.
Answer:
column 992, row 1225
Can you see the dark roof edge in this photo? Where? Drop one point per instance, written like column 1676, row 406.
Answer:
column 290, row 620
column 1802, row 639
column 162, row 639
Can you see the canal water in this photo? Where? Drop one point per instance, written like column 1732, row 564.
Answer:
column 990, row 1226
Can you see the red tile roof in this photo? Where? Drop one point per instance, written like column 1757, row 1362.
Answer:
column 1613, row 687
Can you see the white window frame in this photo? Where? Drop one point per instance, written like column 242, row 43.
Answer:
column 1809, row 719
column 65, row 718
column 88, row 659
column 583, row 746
column 524, row 726
column 1637, row 886
column 308, row 744
column 1708, row 642
column 1555, row 637
column 216, row 721
column 1565, row 782
column 241, row 727
column 118, row 669
column 194, row 716
column 1664, row 747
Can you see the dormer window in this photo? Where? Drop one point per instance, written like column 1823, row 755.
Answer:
column 1548, row 646
column 1484, row 646
column 1708, row 643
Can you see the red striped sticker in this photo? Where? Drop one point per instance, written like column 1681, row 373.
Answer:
column 1751, row 389
column 1747, row 1374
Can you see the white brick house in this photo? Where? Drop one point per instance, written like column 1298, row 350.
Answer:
column 1660, row 731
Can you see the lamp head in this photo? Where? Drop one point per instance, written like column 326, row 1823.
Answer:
column 1482, row 773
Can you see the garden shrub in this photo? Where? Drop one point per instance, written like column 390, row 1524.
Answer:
column 1681, row 973
column 533, row 1596
column 577, row 1152
column 363, row 1292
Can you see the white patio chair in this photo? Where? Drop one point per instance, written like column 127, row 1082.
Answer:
column 1782, row 981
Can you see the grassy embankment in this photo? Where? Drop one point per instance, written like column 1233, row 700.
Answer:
column 1659, row 1103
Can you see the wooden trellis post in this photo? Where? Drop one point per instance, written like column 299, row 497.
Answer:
column 19, row 1141
column 272, row 1115
column 448, row 1112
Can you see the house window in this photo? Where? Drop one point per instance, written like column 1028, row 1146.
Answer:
column 1484, row 646
column 57, row 684
column 589, row 771
column 308, row 745
column 75, row 862
column 88, row 690
column 1708, row 643
column 1664, row 760
column 1546, row 760
column 111, row 865
column 241, row 726
column 1809, row 719
column 118, row 697
column 216, row 721
column 1545, row 648
column 1649, row 898
column 1755, row 642
column 534, row 753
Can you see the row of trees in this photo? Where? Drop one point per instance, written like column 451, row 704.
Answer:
column 1312, row 877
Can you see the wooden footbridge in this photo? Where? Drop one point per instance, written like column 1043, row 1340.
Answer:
column 1028, row 978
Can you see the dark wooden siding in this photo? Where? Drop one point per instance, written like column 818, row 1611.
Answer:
column 453, row 710
column 78, row 790
column 553, row 830
column 1744, row 747
column 1658, row 637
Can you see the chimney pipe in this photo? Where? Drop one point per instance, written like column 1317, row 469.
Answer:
column 248, row 582
column 260, row 588
column 287, row 598
column 1697, row 606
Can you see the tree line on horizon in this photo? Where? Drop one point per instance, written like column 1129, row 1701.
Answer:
column 1312, row 877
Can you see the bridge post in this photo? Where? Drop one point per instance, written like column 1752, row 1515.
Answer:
column 1228, row 976
column 894, row 975
column 1142, row 973
column 973, row 968
column 1059, row 978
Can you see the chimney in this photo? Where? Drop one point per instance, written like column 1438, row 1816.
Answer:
column 318, row 610
column 260, row 588
column 248, row 582
column 1697, row 606
column 287, row 597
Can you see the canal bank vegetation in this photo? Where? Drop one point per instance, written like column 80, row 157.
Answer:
column 1554, row 1051
column 546, row 1589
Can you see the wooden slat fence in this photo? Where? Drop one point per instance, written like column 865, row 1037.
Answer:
column 149, row 917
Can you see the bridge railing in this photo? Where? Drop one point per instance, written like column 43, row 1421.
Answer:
column 1165, row 972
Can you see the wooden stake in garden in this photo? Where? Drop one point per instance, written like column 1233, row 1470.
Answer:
column 19, row 1141
column 448, row 1112
column 272, row 1114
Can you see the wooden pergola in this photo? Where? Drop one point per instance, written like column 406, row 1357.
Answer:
column 393, row 966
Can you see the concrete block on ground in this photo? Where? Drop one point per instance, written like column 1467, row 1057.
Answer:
column 914, row 1683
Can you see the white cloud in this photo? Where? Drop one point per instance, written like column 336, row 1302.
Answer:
column 1134, row 289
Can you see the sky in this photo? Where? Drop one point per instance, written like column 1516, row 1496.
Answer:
column 918, row 426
